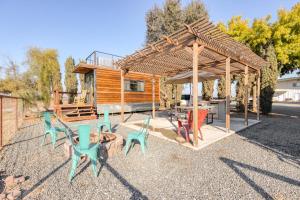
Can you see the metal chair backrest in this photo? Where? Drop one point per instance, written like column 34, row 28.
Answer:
column 202, row 113
column 69, row 133
column 84, row 132
column 145, row 128
column 106, row 115
column 47, row 121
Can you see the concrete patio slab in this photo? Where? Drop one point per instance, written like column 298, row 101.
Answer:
column 211, row 132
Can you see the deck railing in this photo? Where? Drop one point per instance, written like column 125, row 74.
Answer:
column 103, row 59
column 11, row 117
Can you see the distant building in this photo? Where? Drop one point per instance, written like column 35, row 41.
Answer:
column 287, row 89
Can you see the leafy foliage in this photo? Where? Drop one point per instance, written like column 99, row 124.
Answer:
column 45, row 67
column 286, row 37
column 70, row 78
column 19, row 84
column 207, row 89
column 154, row 22
column 164, row 21
column 194, row 11
column 221, row 88
column 269, row 78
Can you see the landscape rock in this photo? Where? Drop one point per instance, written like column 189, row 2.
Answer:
column 9, row 181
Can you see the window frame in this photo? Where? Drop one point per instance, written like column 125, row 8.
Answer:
column 138, row 81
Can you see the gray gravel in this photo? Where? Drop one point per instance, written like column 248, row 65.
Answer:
column 260, row 162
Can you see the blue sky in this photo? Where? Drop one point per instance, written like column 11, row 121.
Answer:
column 78, row 27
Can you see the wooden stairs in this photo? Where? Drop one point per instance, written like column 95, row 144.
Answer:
column 74, row 112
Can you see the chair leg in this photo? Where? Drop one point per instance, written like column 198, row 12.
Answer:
column 187, row 137
column 53, row 138
column 75, row 159
column 142, row 142
column 178, row 131
column 109, row 126
column 200, row 133
column 44, row 138
column 128, row 143
column 93, row 158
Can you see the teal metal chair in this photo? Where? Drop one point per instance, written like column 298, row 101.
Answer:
column 141, row 136
column 83, row 148
column 105, row 122
column 50, row 129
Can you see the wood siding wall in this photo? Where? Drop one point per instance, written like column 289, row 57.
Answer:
column 108, row 87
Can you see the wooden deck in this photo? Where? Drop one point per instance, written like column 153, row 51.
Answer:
column 76, row 112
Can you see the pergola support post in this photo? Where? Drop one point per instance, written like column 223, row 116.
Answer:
column 195, row 92
column 122, row 95
column 153, row 97
column 228, row 87
column 254, row 97
column 258, row 96
column 246, row 82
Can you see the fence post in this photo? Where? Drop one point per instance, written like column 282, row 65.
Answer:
column 1, row 121
column 17, row 124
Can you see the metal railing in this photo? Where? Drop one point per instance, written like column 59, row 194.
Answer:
column 102, row 59
column 11, row 117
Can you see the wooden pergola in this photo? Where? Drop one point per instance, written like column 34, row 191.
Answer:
column 199, row 46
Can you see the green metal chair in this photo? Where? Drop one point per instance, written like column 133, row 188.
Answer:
column 50, row 129
column 141, row 136
column 84, row 148
column 105, row 123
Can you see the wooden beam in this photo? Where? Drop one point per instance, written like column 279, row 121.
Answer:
column 153, row 97
column 246, row 82
column 258, row 96
column 196, row 52
column 122, row 96
column 228, row 87
column 254, row 91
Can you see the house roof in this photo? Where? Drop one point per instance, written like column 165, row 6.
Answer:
column 172, row 54
column 289, row 79
column 83, row 68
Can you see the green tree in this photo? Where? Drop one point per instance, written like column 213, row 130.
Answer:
column 45, row 66
column 81, row 76
column 164, row 22
column 19, row 84
column 70, row 78
column 173, row 17
column 286, row 39
column 221, row 88
column 194, row 11
column 269, row 76
column 154, row 23
column 207, row 89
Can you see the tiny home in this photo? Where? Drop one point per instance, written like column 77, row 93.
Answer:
column 102, row 81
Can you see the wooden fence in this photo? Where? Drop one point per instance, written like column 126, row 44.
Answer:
column 11, row 117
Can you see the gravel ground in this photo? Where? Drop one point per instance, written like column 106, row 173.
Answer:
column 262, row 162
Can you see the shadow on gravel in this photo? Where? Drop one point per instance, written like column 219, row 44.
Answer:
column 278, row 133
column 26, row 140
column 135, row 193
column 27, row 192
column 235, row 166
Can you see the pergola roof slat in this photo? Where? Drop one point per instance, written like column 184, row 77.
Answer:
column 173, row 53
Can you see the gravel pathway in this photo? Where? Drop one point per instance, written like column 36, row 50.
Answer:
column 262, row 162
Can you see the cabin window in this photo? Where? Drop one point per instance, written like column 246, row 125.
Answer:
column 134, row 86
column 296, row 84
